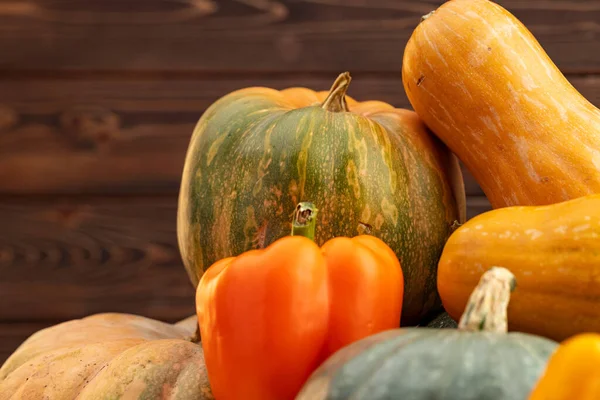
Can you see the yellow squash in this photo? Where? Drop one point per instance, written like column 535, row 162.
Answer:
column 554, row 253
column 573, row 371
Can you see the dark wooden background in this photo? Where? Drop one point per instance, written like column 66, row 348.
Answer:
column 98, row 100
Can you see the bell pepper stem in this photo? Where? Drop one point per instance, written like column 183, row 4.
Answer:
column 305, row 220
column 487, row 307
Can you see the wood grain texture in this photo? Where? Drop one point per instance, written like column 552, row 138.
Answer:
column 257, row 35
column 43, row 281
column 99, row 99
column 67, row 258
column 117, row 136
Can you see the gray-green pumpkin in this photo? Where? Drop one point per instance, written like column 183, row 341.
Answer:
column 477, row 361
column 258, row 152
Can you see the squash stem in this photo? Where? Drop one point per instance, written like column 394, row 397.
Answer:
column 487, row 307
column 305, row 220
column 196, row 338
column 336, row 99
column 424, row 17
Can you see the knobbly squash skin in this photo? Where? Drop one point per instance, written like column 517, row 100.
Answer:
column 257, row 152
column 554, row 252
column 483, row 84
column 108, row 356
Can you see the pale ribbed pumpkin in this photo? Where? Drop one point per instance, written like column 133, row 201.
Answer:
column 483, row 84
column 108, row 356
column 257, row 152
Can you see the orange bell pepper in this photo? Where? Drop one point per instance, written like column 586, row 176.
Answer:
column 573, row 371
column 268, row 318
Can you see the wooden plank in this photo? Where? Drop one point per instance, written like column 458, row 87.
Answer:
column 67, row 258
column 257, row 35
column 133, row 134
column 13, row 334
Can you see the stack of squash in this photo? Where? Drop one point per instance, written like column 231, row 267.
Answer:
column 374, row 201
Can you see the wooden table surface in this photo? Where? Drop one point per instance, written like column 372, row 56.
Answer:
column 98, row 100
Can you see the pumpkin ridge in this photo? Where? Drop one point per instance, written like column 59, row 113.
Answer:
column 180, row 377
column 382, row 362
column 148, row 380
column 145, row 327
column 444, row 339
column 527, row 348
column 38, row 367
column 93, row 376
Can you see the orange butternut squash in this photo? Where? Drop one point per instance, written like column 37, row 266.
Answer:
column 554, row 253
column 483, row 84
column 573, row 371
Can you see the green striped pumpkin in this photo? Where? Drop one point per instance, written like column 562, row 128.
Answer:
column 257, row 152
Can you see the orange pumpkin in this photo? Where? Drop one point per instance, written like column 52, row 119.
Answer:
column 479, row 79
column 573, row 371
column 108, row 356
column 554, row 252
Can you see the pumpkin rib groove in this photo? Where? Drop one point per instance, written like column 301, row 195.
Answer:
column 499, row 369
column 188, row 364
column 446, row 339
column 529, row 349
column 131, row 358
column 92, row 377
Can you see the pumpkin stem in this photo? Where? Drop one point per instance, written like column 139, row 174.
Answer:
column 336, row 100
column 305, row 220
column 487, row 306
column 196, row 337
